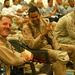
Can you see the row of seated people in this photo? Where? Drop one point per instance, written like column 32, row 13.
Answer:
column 34, row 40
column 35, row 35
column 51, row 12
column 22, row 17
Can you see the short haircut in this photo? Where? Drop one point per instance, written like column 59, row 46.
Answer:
column 33, row 9
column 5, row 1
column 1, row 16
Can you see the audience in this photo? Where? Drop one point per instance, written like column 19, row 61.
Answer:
column 42, row 9
column 23, row 3
column 53, row 10
column 17, row 21
column 28, row 19
column 7, row 10
column 32, row 3
column 61, row 8
column 44, row 14
column 19, row 9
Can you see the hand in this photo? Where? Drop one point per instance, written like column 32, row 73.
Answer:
column 28, row 54
column 25, row 56
column 56, row 6
column 48, row 28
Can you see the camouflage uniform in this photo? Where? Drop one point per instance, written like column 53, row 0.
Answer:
column 65, row 34
column 9, row 56
column 35, row 42
column 65, row 29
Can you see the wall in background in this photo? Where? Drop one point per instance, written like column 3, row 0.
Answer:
column 44, row 1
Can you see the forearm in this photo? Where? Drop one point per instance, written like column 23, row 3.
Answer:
column 9, row 57
column 33, row 43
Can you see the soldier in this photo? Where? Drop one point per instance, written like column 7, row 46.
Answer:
column 8, row 55
column 35, row 36
column 65, row 29
column 65, row 33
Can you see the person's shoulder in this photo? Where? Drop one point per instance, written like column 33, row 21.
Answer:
column 19, row 5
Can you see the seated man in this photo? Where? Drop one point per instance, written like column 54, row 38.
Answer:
column 65, row 32
column 65, row 29
column 61, row 8
column 36, row 33
column 19, row 9
column 53, row 11
column 42, row 9
column 8, row 55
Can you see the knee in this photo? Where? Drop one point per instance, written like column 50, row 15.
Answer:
column 70, row 49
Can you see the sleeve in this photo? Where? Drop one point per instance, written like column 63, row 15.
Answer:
column 10, row 57
column 63, row 10
column 71, row 28
column 15, row 8
column 32, row 42
column 4, row 12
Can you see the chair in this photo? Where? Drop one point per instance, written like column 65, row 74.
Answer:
column 21, row 46
column 2, row 69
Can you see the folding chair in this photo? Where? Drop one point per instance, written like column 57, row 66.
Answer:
column 19, row 46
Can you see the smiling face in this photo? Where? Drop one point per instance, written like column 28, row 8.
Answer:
column 5, row 26
column 35, row 17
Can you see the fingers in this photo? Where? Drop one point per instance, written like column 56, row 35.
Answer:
column 27, row 55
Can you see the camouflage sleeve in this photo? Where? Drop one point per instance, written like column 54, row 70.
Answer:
column 60, row 28
column 71, row 27
column 9, row 56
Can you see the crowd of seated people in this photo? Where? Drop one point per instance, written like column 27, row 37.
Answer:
column 19, row 14
column 19, row 11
